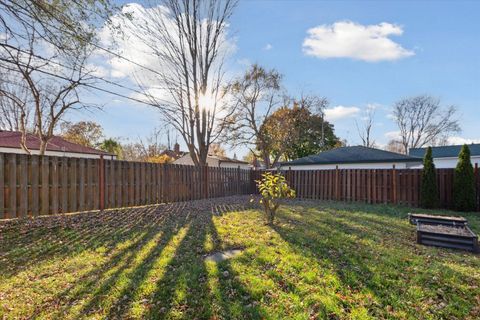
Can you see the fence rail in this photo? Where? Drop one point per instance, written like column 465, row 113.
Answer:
column 31, row 185
column 395, row 186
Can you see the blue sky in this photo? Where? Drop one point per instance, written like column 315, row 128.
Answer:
column 430, row 47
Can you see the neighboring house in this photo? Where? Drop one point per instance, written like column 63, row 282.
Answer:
column 215, row 161
column 357, row 157
column 175, row 153
column 447, row 156
column 258, row 164
column 57, row 146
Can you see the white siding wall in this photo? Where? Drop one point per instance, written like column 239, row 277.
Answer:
column 386, row 165
column 187, row 160
column 212, row 162
column 452, row 162
column 234, row 165
column 58, row 153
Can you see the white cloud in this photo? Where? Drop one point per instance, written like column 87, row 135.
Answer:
column 268, row 47
column 392, row 135
column 340, row 112
column 4, row 36
column 244, row 62
column 130, row 34
column 129, row 38
column 97, row 70
column 346, row 39
column 461, row 140
column 390, row 116
column 373, row 106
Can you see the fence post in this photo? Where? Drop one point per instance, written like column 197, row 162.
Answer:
column 205, row 178
column 337, row 186
column 289, row 179
column 394, row 185
column 2, row 187
column 101, row 182
column 238, row 180
column 477, row 191
column 253, row 174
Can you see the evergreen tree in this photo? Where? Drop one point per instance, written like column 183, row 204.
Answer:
column 464, row 183
column 429, row 191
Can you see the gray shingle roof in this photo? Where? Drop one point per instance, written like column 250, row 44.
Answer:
column 355, row 154
column 446, row 151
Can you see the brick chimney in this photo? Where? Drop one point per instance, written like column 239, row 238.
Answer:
column 176, row 148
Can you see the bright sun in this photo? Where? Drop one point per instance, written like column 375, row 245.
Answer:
column 206, row 101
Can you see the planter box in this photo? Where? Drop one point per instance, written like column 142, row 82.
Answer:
column 447, row 237
column 415, row 218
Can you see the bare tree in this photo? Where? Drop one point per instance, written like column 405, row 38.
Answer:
column 365, row 128
column 255, row 96
column 45, row 50
column 14, row 105
column 53, row 84
column 422, row 121
column 188, row 40
column 395, row 146
column 147, row 149
column 57, row 23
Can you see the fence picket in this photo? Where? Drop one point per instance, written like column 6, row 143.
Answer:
column 2, row 186
column 23, row 186
column 33, row 185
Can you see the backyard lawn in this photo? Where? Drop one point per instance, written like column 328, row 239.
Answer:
column 321, row 260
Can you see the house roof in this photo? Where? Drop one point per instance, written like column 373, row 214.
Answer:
column 445, row 151
column 354, row 154
column 11, row 139
column 220, row 158
column 226, row 159
column 173, row 154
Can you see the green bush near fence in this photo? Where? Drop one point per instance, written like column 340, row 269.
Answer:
column 429, row 190
column 273, row 187
column 464, row 182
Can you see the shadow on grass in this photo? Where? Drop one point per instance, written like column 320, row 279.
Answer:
column 372, row 251
column 192, row 288
column 152, row 265
column 100, row 282
column 31, row 243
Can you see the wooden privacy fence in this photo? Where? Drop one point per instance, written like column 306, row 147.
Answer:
column 31, row 185
column 396, row 186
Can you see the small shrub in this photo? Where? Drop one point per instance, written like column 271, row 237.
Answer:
column 464, row 182
column 273, row 187
column 429, row 191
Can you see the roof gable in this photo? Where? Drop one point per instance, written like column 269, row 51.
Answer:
column 354, row 154
column 218, row 158
column 11, row 139
column 445, row 151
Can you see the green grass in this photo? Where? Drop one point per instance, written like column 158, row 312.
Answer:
column 320, row 260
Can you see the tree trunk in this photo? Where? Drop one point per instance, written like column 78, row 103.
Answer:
column 43, row 146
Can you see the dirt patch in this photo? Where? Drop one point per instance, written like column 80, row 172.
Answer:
column 445, row 230
column 223, row 255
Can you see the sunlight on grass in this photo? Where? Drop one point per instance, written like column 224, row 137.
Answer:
column 319, row 260
column 142, row 296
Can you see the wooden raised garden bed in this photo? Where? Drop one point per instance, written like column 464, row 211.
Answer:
column 415, row 218
column 447, row 236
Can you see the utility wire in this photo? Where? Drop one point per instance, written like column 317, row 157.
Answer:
column 83, row 84
column 89, row 41
column 70, row 68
